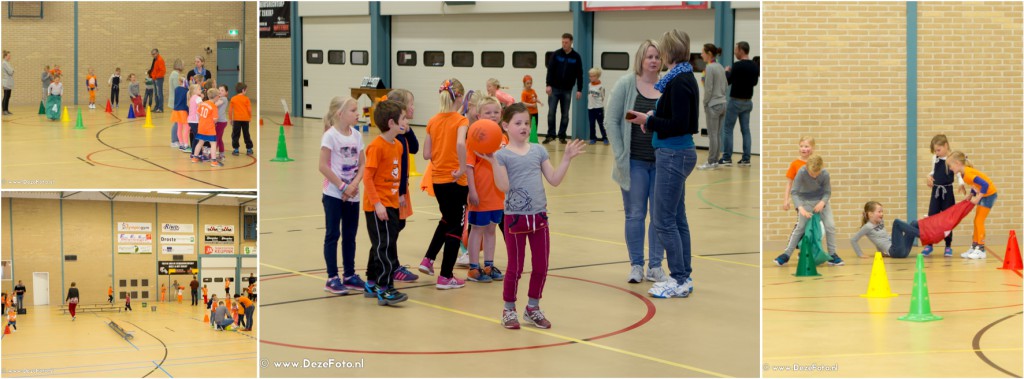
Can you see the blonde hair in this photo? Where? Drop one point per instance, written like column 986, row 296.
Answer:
column 478, row 102
column 212, row 92
column 809, row 139
column 869, row 207
column 494, row 82
column 815, row 163
column 337, row 104
column 402, row 96
column 451, row 89
column 939, row 139
column 178, row 64
column 960, row 158
column 595, row 71
column 192, row 90
column 677, row 46
column 638, row 62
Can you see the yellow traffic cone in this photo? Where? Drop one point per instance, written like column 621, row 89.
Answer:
column 149, row 119
column 878, row 285
column 64, row 116
column 412, row 166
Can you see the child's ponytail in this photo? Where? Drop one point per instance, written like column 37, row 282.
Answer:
column 450, row 91
column 869, row 207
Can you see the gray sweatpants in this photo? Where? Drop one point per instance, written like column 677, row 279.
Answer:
column 713, row 117
column 830, row 230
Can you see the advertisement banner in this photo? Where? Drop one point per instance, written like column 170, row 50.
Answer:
column 275, row 19
column 135, row 249
column 177, row 249
column 249, row 250
column 219, row 229
column 177, row 228
column 134, row 227
column 251, row 209
column 593, row 6
column 178, row 239
column 178, row 267
column 219, row 239
column 134, row 238
column 219, row 249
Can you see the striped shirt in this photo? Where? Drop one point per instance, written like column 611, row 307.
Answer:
column 640, row 146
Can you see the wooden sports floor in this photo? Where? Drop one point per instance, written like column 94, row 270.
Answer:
column 173, row 341
column 111, row 152
column 823, row 321
column 602, row 325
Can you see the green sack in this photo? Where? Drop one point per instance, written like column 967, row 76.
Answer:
column 811, row 241
column 53, row 107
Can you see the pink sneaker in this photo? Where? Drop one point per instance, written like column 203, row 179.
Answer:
column 449, row 283
column 536, row 317
column 508, row 319
column 427, row 266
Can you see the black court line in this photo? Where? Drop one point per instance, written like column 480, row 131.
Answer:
column 976, row 345
column 168, row 328
column 724, row 254
column 158, row 365
column 86, row 162
column 100, row 140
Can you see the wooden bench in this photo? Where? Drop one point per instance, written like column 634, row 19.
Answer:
column 120, row 331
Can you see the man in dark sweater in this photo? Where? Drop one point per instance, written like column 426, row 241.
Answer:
column 194, row 286
column 742, row 75
column 564, row 70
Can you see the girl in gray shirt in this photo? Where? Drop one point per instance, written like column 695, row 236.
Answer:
column 873, row 227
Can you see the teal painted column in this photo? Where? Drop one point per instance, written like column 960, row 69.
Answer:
column 583, row 43
column 76, row 57
column 113, row 241
column 61, row 203
column 297, row 57
column 10, row 225
column 911, row 110
column 725, row 31
column 380, row 45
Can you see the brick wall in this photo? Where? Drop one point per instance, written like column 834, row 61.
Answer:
column 837, row 71
column 121, row 34
column 275, row 73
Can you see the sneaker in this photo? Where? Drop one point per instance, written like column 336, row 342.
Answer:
column 477, row 275
column 978, row 253
column 494, row 273
column 369, row 290
column 217, row 164
column 334, row 286
column 725, row 162
column 235, row 153
column 927, row 250
column 636, row 274
column 427, row 266
column 536, row 317
column 948, row 252
column 593, row 142
column 195, row 159
column 744, row 163
column 248, row 152
column 405, row 276
column 72, row 318
column 655, row 274
column 390, row 296
column 781, row 259
column 605, row 141
column 175, row 145
column 669, row 290
column 449, row 283
column 547, row 140
column 967, row 253
column 563, row 141
column 509, row 319
column 835, row 261
column 463, row 260
column 707, row 167
column 354, row 282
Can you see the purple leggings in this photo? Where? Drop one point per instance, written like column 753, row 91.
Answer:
column 519, row 229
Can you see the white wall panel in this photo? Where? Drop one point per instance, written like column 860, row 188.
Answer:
column 325, row 81
column 439, row 8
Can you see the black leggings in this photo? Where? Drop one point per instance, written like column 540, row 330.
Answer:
column 451, row 198
column 7, row 100
column 115, row 96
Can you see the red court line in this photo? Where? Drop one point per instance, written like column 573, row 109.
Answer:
column 89, row 157
column 897, row 312
column 651, row 310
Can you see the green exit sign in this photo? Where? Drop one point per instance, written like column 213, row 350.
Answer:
column 233, row 32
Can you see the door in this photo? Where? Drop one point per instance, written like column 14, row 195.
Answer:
column 335, row 58
column 40, row 288
column 229, row 68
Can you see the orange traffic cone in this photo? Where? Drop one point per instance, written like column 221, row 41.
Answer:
column 287, row 120
column 7, row 330
column 261, row 121
column 109, row 109
column 1011, row 261
column 206, row 317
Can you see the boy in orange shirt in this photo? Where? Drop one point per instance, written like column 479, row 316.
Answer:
column 110, row 295
column 247, row 310
column 240, row 113
column 90, row 85
column 208, row 128
column 380, row 202
column 530, row 99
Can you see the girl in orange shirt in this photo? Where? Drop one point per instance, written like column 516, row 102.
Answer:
column 983, row 193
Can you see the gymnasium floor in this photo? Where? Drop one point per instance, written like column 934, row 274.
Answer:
column 171, row 342
column 602, row 325
column 112, row 152
column 824, row 321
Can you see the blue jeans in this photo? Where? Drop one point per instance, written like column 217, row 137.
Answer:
column 635, row 202
column 159, row 106
column 736, row 108
column 174, row 132
column 342, row 218
column 563, row 97
column 248, row 316
column 903, row 235
column 224, row 323
column 670, row 208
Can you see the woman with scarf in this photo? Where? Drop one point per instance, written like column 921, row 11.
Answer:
column 199, row 75
column 673, row 123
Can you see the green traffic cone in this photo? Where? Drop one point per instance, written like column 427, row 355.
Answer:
column 42, row 108
column 78, row 123
column 282, row 148
column 806, row 267
column 533, row 130
column 920, row 302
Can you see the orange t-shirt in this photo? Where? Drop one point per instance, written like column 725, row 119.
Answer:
column 204, row 291
column 491, row 198
column 207, row 118
column 794, row 167
column 443, row 130
column 241, row 108
column 110, row 291
column 90, row 82
column 383, row 173
column 530, row 96
column 244, row 302
column 976, row 179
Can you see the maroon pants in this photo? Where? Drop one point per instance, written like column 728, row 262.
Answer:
column 220, row 135
column 71, row 307
column 518, row 230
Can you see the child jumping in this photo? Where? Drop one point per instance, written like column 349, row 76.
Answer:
column 811, row 191
column 983, row 194
column 518, row 172
column 342, row 164
column 53, row 101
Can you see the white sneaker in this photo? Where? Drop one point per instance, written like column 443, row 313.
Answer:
column 707, row 166
column 174, row 145
column 636, row 274
column 463, row 260
column 655, row 274
column 669, row 290
column 967, row 253
column 977, row 254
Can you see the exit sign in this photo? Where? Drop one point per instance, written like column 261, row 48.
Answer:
column 233, row 32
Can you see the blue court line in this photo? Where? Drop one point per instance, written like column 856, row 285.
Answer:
column 133, row 345
column 68, row 374
column 144, row 361
column 162, row 369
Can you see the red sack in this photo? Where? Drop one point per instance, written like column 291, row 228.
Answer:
column 935, row 227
